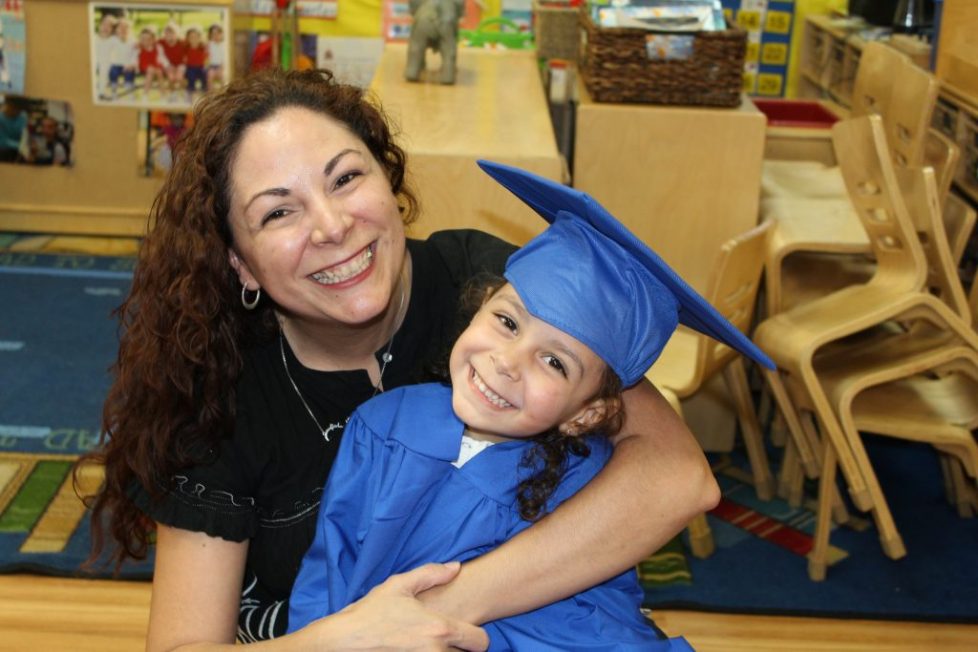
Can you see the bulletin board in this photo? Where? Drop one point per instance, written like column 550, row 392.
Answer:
column 103, row 192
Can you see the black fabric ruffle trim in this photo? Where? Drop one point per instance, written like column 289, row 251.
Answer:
column 192, row 506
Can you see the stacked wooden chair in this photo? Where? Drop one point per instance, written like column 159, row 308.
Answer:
column 818, row 244
column 907, row 318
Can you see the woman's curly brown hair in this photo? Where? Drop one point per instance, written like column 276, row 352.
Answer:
column 182, row 329
column 547, row 458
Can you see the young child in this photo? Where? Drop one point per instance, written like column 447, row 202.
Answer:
column 123, row 59
column 215, row 56
column 436, row 473
column 196, row 58
column 150, row 60
column 104, row 44
column 174, row 58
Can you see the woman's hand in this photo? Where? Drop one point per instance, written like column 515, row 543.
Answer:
column 390, row 617
column 197, row 591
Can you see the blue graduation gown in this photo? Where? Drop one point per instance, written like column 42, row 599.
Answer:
column 394, row 501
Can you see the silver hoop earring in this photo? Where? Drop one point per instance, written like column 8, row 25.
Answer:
column 249, row 305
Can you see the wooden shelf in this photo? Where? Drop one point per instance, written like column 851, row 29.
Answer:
column 829, row 59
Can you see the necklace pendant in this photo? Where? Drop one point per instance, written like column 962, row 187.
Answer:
column 326, row 433
column 387, row 357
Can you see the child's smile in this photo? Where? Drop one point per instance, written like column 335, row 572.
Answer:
column 516, row 376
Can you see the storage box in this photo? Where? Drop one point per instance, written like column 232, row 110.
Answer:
column 621, row 64
column 796, row 113
column 557, row 30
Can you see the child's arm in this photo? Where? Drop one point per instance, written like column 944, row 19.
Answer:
column 656, row 481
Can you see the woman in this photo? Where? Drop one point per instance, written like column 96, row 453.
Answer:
column 275, row 292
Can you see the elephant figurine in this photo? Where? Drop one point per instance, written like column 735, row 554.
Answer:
column 435, row 26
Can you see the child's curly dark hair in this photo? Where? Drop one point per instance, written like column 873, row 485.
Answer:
column 549, row 454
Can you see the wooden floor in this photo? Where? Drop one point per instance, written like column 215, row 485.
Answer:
column 43, row 614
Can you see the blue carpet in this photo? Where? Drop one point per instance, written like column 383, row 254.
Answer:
column 57, row 341
column 936, row 581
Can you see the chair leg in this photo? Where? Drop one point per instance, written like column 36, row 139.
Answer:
column 806, row 455
column 961, row 488
column 850, row 455
column 947, row 475
column 701, row 537
column 890, row 538
column 792, row 477
column 971, row 496
column 818, row 557
column 736, row 378
column 778, row 429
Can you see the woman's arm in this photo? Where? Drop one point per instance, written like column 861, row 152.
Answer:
column 656, row 481
column 197, row 591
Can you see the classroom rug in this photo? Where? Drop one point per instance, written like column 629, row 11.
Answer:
column 57, row 341
column 760, row 567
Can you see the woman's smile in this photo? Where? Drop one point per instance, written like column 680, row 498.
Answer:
column 347, row 270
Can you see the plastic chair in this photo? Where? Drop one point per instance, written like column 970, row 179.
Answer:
column 690, row 358
column 896, row 290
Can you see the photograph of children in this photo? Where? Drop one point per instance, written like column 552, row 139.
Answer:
column 157, row 56
column 35, row 131
column 13, row 48
column 159, row 137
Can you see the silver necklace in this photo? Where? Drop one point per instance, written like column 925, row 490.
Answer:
column 385, row 358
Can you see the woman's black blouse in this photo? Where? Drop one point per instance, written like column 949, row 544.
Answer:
column 267, row 478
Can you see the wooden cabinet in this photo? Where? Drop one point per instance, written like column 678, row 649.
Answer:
column 684, row 179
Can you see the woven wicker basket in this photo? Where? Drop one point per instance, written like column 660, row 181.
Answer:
column 557, row 31
column 616, row 67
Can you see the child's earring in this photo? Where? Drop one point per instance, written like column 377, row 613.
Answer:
column 570, row 429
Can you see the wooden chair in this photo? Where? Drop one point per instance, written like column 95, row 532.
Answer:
column 920, row 384
column 819, row 245
column 691, row 358
column 896, row 290
column 942, row 238
column 807, row 200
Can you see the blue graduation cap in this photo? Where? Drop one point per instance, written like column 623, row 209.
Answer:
column 592, row 278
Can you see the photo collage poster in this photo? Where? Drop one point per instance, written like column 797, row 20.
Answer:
column 157, row 56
